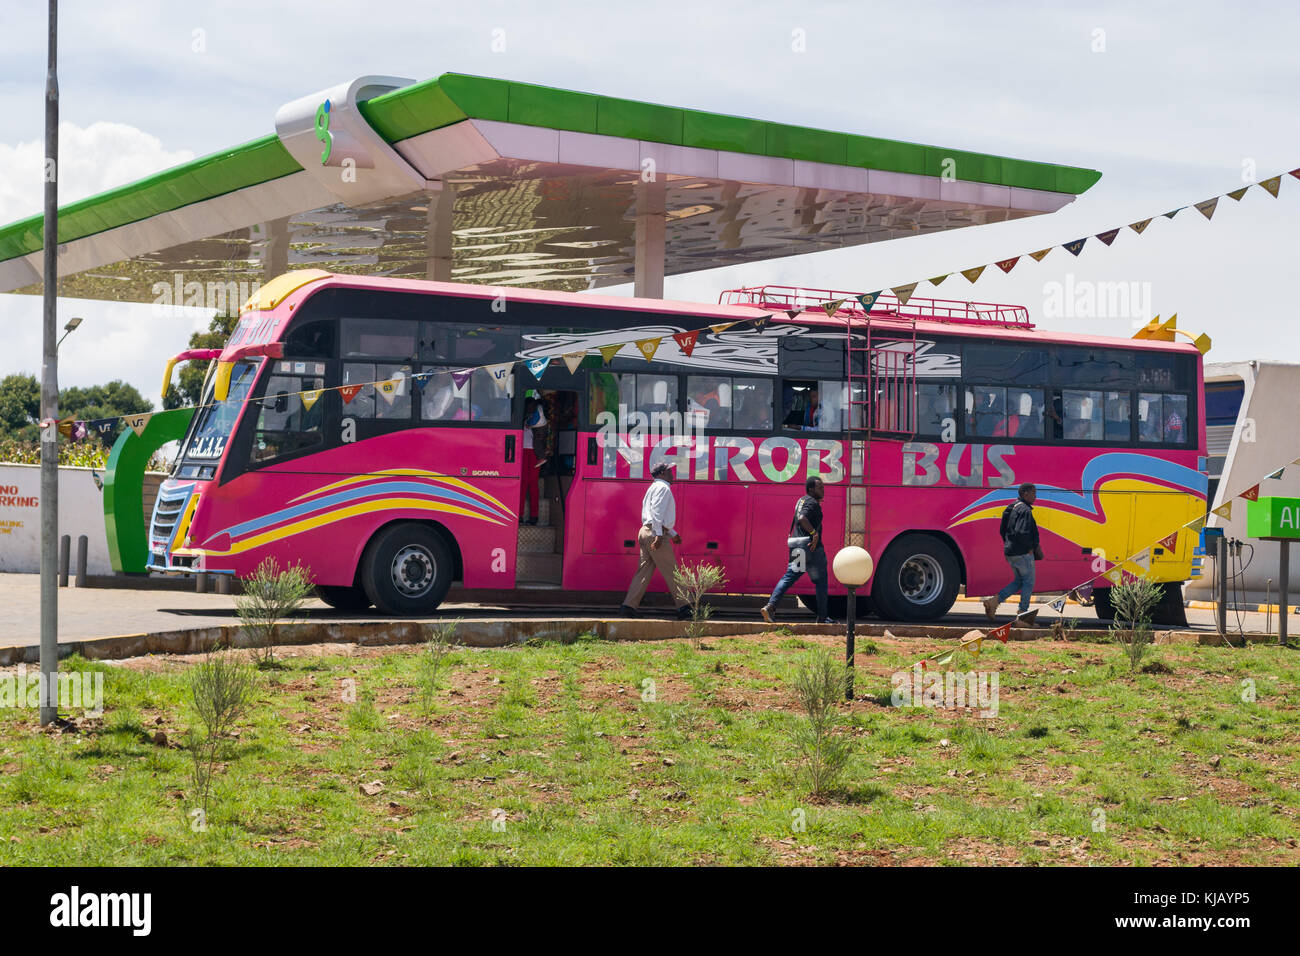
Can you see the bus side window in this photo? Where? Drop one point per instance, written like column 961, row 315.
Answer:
column 751, row 403
column 284, row 423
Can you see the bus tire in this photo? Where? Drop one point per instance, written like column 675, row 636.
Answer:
column 837, row 606
column 406, row 570
column 1170, row 610
column 1102, row 604
column 343, row 598
column 916, row 580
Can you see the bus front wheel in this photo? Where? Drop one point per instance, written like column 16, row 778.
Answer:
column 406, row 570
column 917, row 580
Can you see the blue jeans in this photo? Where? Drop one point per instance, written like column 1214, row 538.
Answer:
column 1023, row 567
column 815, row 562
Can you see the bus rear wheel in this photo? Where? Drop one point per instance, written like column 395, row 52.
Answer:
column 343, row 598
column 917, row 580
column 406, row 570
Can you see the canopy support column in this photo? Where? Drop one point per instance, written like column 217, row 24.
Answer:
column 648, row 276
column 439, row 245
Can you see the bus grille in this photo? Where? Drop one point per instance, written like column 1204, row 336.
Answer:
column 166, row 512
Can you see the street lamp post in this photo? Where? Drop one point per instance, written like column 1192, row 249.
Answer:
column 852, row 568
column 50, row 389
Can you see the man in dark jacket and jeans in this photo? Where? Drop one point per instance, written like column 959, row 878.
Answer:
column 1020, row 544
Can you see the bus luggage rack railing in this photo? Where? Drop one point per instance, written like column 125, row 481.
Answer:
column 887, row 306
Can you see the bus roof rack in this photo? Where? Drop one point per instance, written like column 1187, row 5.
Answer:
column 887, row 306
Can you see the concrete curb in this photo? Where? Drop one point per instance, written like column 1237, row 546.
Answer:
column 504, row 632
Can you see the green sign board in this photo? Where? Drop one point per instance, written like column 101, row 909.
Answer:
column 1273, row 518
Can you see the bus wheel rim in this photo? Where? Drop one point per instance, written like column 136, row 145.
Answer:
column 413, row 571
column 920, row 579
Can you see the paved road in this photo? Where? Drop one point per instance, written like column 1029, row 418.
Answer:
column 105, row 612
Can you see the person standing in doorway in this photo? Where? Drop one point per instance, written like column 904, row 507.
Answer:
column 656, row 537
column 807, row 553
column 1020, row 544
column 537, row 450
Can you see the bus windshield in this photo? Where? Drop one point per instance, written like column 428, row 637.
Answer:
column 215, row 420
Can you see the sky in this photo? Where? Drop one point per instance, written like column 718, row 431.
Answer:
column 1173, row 102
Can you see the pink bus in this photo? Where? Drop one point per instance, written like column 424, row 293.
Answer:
column 921, row 418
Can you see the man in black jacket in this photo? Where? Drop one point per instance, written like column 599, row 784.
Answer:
column 1020, row 544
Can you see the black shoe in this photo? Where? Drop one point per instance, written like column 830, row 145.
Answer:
column 625, row 611
column 684, row 613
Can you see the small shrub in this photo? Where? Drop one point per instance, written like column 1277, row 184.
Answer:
column 1134, row 603
column 693, row 582
column 823, row 752
column 271, row 594
column 221, row 689
column 442, row 638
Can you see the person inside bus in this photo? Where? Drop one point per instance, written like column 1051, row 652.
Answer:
column 1174, row 422
column 656, row 538
column 1149, row 419
column 807, row 553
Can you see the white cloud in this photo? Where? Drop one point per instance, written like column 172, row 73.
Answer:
column 99, row 157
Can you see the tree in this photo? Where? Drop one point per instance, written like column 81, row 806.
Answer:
column 20, row 405
column 188, row 387
column 102, row 401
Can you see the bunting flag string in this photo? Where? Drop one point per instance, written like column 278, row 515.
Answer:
column 572, row 360
column 607, row 352
column 686, row 341
column 1006, row 265
column 538, row 366
column 648, row 347
column 904, row 292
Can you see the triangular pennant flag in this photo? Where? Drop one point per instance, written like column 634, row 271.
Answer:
column 904, row 292
column 1114, row 576
column 868, row 299
column 1083, row 591
column 459, row 376
column 946, row 659
column 420, row 379
column 1296, row 172
column 1139, row 226
column 973, row 274
column 1169, row 541
column 310, row 397
column 1041, row 254
column 65, row 428
column 649, row 347
column 1058, row 605
column 1196, row 524
column 792, row 313
column 686, row 341
column 1075, row 247
column 138, row 422
column 572, row 360
column 723, row 326
column 760, row 323
column 1108, row 236
column 1006, row 265
column 1238, row 193
column 1143, row 559
column 106, row 429
column 1272, row 185
column 78, row 431
column 607, row 352
column 500, row 375
column 1296, row 461
column 972, row 641
column 830, row 308
column 1173, row 212
column 1276, row 474
column 538, row 366
column 349, row 392
column 937, row 279
column 1250, row 494
column 1224, row 511
column 1001, row 633
column 1206, row 207
column 388, row 388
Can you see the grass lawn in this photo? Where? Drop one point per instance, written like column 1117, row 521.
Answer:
column 548, row 754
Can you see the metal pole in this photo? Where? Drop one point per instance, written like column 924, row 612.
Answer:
column 50, row 387
column 83, row 547
column 1283, row 591
column 848, row 647
column 1221, row 560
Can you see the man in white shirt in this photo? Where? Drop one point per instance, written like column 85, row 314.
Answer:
column 656, row 538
